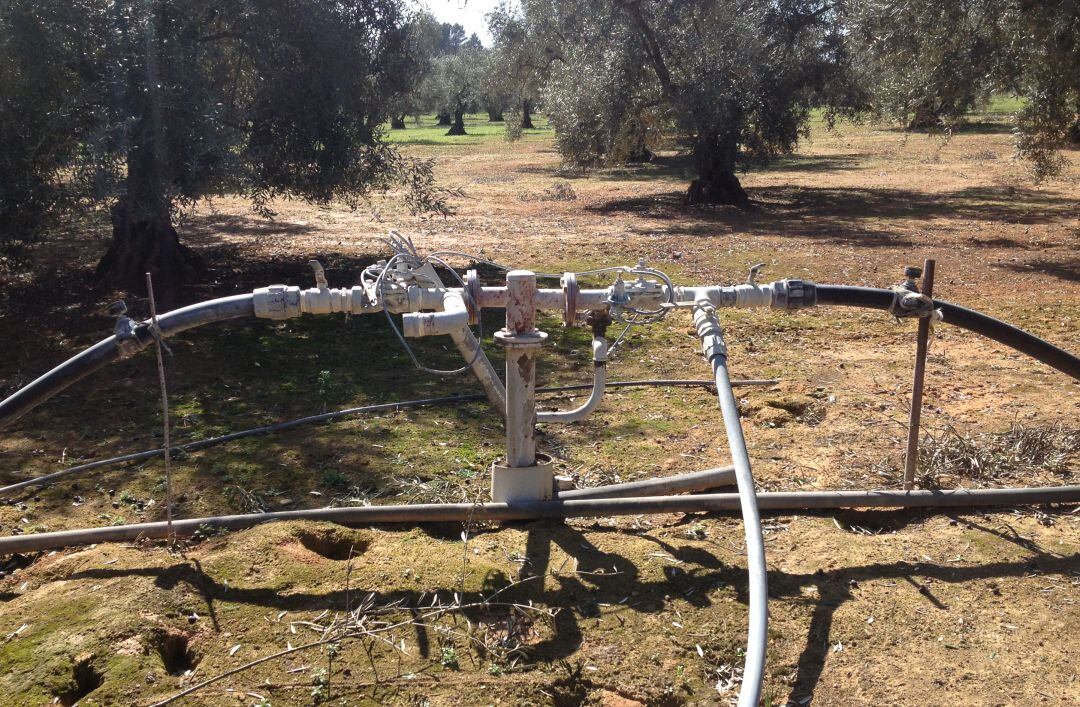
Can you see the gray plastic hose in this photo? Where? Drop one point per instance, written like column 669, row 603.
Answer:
column 665, row 486
column 539, row 510
column 711, row 335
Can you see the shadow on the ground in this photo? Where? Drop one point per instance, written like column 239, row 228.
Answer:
column 680, row 167
column 857, row 216
column 1068, row 270
column 604, row 578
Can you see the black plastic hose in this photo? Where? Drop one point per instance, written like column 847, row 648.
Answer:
column 995, row 329
column 108, row 350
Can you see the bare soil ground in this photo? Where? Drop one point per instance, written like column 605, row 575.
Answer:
column 868, row 608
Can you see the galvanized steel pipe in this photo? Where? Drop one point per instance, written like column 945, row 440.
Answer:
column 589, row 508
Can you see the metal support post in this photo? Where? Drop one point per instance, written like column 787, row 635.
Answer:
column 524, row 477
column 911, row 462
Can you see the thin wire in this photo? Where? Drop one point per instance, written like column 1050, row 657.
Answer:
column 155, row 330
column 618, row 340
column 492, row 263
column 201, row 444
column 381, row 284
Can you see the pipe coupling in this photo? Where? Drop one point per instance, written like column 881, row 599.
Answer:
column 276, row 302
column 793, row 294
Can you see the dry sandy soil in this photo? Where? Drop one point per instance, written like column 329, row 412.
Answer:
column 868, row 608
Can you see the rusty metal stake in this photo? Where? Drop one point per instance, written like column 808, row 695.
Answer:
column 167, row 447
column 923, row 337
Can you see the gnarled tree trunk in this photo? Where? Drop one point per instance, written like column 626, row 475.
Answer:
column 397, row 122
column 526, row 118
column 444, row 120
column 495, row 115
column 716, row 183
column 144, row 241
column 458, row 128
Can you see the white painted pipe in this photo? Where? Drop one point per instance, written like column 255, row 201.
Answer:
column 522, row 342
column 481, row 367
column 453, row 318
column 599, row 382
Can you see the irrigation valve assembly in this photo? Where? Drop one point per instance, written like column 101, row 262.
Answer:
column 522, row 482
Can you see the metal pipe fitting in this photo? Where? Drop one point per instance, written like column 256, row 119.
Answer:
column 453, row 318
column 600, row 349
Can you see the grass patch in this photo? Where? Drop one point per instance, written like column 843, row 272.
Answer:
column 478, row 131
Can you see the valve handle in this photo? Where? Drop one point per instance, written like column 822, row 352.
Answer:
column 754, row 270
column 320, row 274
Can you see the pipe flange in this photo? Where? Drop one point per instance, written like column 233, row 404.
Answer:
column 473, row 291
column 570, row 296
column 510, row 340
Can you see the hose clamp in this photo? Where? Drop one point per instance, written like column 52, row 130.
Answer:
column 472, row 296
column 127, row 342
column 570, row 297
column 910, row 304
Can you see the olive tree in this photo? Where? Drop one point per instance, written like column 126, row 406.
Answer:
column 425, row 37
column 191, row 98
column 518, row 64
column 738, row 79
column 50, row 59
column 458, row 84
column 927, row 63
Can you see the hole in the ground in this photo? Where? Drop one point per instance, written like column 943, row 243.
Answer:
column 332, row 543
column 176, row 654
column 85, row 678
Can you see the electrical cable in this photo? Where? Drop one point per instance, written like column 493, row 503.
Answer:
column 335, row 415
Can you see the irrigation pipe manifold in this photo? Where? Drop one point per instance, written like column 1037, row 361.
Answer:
column 522, row 483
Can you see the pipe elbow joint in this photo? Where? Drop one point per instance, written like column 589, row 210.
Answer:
column 454, row 317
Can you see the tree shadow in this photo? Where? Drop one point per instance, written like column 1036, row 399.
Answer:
column 845, row 215
column 203, row 229
column 681, row 167
column 607, row 578
column 1068, row 270
column 964, row 127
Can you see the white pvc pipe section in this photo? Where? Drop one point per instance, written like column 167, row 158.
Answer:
column 708, row 329
column 453, row 318
column 599, row 382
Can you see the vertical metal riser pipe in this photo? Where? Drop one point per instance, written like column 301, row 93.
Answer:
column 524, row 477
column 712, row 342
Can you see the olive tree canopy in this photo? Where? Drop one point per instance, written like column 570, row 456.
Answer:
column 928, row 62
column 169, row 101
column 738, row 79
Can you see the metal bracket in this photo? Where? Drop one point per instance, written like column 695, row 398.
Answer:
column 570, row 294
column 472, row 296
